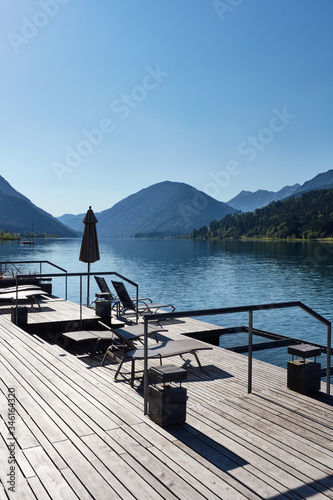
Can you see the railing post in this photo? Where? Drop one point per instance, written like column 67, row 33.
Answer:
column 249, row 380
column 16, row 305
column 145, row 368
column 328, row 367
column 80, row 301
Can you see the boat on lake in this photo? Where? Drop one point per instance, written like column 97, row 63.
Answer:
column 26, row 242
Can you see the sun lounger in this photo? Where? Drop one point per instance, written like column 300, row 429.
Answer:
column 105, row 292
column 128, row 335
column 20, row 288
column 144, row 305
column 163, row 350
column 88, row 335
column 30, row 295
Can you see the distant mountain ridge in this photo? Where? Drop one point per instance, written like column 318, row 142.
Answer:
column 247, row 201
column 174, row 208
column 19, row 215
column 320, row 181
column 163, row 209
column 73, row 221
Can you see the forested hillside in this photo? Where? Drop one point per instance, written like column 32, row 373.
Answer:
column 309, row 216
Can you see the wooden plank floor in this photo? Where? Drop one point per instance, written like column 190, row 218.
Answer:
column 81, row 434
column 50, row 309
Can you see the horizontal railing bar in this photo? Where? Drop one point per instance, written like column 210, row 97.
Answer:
column 233, row 310
column 238, row 309
column 99, row 273
column 32, row 262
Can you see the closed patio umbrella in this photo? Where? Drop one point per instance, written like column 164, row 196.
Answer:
column 89, row 247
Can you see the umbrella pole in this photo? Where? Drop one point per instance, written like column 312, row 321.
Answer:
column 88, row 282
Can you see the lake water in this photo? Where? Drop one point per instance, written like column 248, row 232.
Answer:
column 203, row 275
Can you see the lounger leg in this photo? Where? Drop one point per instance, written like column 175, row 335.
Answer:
column 94, row 349
column 133, row 372
column 31, row 300
column 196, row 357
column 119, row 367
column 153, row 334
column 104, row 357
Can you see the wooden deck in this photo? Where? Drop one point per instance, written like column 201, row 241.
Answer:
column 51, row 309
column 80, row 434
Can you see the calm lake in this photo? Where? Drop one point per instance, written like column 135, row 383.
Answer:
column 203, row 275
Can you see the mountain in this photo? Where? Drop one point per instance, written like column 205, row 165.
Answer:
column 163, row 209
column 247, row 201
column 19, row 215
column 73, row 221
column 307, row 216
column 320, row 181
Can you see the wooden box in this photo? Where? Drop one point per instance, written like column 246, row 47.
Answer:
column 303, row 376
column 103, row 308
column 166, row 373
column 19, row 315
column 167, row 405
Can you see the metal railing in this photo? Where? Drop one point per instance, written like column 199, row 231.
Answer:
column 88, row 275
column 232, row 310
column 4, row 265
column 14, row 263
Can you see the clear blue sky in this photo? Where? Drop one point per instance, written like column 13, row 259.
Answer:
column 101, row 98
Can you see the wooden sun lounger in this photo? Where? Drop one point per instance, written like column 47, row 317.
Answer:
column 30, row 295
column 144, row 305
column 163, row 350
column 129, row 334
column 85, row 335
column 125, row 335
column 20, row 288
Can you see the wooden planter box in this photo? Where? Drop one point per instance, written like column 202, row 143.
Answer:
column 19, row 315
column 103, row 308
column 167, row 405
column 303, row 376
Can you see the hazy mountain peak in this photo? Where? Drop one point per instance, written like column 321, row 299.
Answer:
column 164, row 209
column 248, row 201
column 175, row 208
